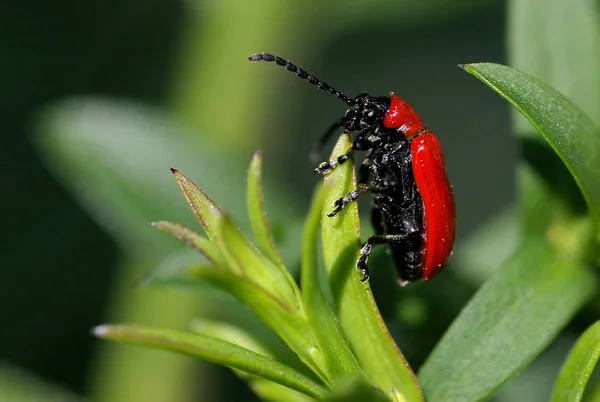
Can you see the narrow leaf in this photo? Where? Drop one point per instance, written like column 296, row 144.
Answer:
column 212, row 350
column 339, row 358
column 509, row 321
column 256, row 212
column 371, row 342
column 246, row 259
column 567, row 129
column 355, row 389
column 205, row 210
column 578, row 367
column 558, row 42
column 262, row 231
column 194, row 240
column 291, row 328
column 265, row 389
column 270, row 391
column 270, row 346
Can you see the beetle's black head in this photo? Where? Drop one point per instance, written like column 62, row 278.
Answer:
column 365, row 111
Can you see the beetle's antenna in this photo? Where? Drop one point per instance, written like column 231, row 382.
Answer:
column 302, row 74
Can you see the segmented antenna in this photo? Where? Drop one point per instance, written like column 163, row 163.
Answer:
column 302, row 74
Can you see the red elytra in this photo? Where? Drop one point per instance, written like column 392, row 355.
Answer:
column 439, row 216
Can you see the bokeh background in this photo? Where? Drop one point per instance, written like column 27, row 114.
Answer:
column 99, row 98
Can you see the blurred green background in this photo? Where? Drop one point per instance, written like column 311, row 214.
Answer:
column 99, row 99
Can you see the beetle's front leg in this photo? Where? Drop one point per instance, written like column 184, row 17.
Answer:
column 328, row 166
column 361, row 143
column 340, row 203
column 362, row 188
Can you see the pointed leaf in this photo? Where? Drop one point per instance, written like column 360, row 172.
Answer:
column 578, row 367
column 247, row 260
column 371, row 342
column 194, row 240
column 509, row 321
column 265, row 389
column 256, row 212
column 567, row 129
column 339, row 358
column 291, row 328
column 212, row 350
column 243, row 337
column 205, row 210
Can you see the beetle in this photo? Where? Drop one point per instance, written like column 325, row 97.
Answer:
column 413, row 206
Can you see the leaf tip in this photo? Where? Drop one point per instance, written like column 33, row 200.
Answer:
column 462, row 66
column 256, row 163
column 100, row 331
column 174, row 171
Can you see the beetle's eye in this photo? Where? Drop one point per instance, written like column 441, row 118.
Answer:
column 370, row 114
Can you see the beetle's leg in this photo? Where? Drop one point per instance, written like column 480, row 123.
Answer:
column 328, row 166
column 361, row 143
column 351, row 196
column 365, row 251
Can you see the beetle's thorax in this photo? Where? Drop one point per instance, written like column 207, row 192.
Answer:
column 400, row 115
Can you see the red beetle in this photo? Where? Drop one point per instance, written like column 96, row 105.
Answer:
column 413, row 206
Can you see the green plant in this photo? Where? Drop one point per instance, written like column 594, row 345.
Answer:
column 341, row 347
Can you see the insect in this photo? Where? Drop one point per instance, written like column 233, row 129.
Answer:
column 413, row 206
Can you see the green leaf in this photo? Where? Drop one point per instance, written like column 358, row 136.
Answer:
column 558, row 42
column 243, row 337
column 328, row 332
column 567, row 129
column 194, row 240
column 245, row 258
column 355, row 389
column 369, row 338
column 212, row 350
column 256, row 212
column 509, row 321
column 578, row 367
column 273, row 392
column 205, row 210
column 241, row 255
column 287, row 324
column 262, row 232
column 265, row 389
